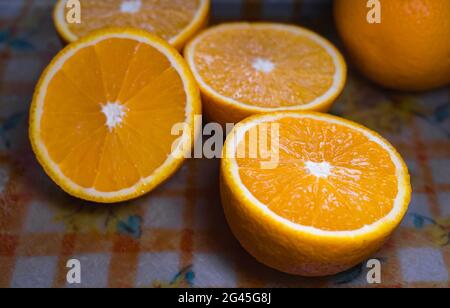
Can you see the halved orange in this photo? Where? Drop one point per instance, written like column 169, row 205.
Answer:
column 250, row 68
column 103, row 111
column 333, row 197
column 173, row 20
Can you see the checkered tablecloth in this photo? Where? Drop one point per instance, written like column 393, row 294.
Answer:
column 177, row 235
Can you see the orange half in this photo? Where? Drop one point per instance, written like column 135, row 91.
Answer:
column 250, row 68
column 176, row 21
column 103, row 111
column 333, row 194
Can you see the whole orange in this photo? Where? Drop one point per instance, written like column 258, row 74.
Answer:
column 408, row 50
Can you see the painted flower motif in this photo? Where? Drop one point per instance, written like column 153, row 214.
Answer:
column 101, row 219
column 376, row 110
column 440, row 231
column 130, row 226
column 13, row 42
column 183, row 279
column 387, row 112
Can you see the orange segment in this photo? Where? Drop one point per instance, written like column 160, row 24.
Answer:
column 252, row 68
column 173, row 20
column 141, row 72
column 114, row 71
column 103, row 111
column 74, row 70
column 334, row 193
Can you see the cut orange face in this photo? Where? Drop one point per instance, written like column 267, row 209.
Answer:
column 102, row 115
column 245, row 69
column 173, row 20
column 334, row 195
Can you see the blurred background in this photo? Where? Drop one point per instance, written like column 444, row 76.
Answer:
column 177, row 235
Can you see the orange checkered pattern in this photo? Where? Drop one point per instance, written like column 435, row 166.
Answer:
column 177, row 235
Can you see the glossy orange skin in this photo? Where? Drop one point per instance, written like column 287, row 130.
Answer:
column 409, row 50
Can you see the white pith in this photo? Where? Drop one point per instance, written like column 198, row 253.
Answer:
column 114, row 114
column 130, row 6
column 68, row 34
column 235, row 138
column 320, row 170
column 263, row 65
column 331, row 50
column 179, row 151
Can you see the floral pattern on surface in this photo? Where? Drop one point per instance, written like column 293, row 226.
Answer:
column 101, row 219
column 438, row 229
column 389, row 112
column 183, row 279
column 23, row 181
column 13, row 42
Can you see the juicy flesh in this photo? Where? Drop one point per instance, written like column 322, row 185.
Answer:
column 143, row 95
column 161, row 17
column 329, row 176
column 264, row 67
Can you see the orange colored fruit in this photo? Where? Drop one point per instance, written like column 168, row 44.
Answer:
column 335, row 195
column 173, row 20
column 409, row 49
column 103, row 111
column 250, row 68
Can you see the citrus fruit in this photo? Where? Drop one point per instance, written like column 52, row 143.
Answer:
column 174, row 20
column 335, row 194
column 409, row 49
column 250, row 68
column 102, row 115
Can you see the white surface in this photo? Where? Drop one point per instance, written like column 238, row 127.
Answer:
column 41, row 219
column 422, row 265
column 39, row 272
column 161, row 267
column 165, row 213
column 212, row 270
